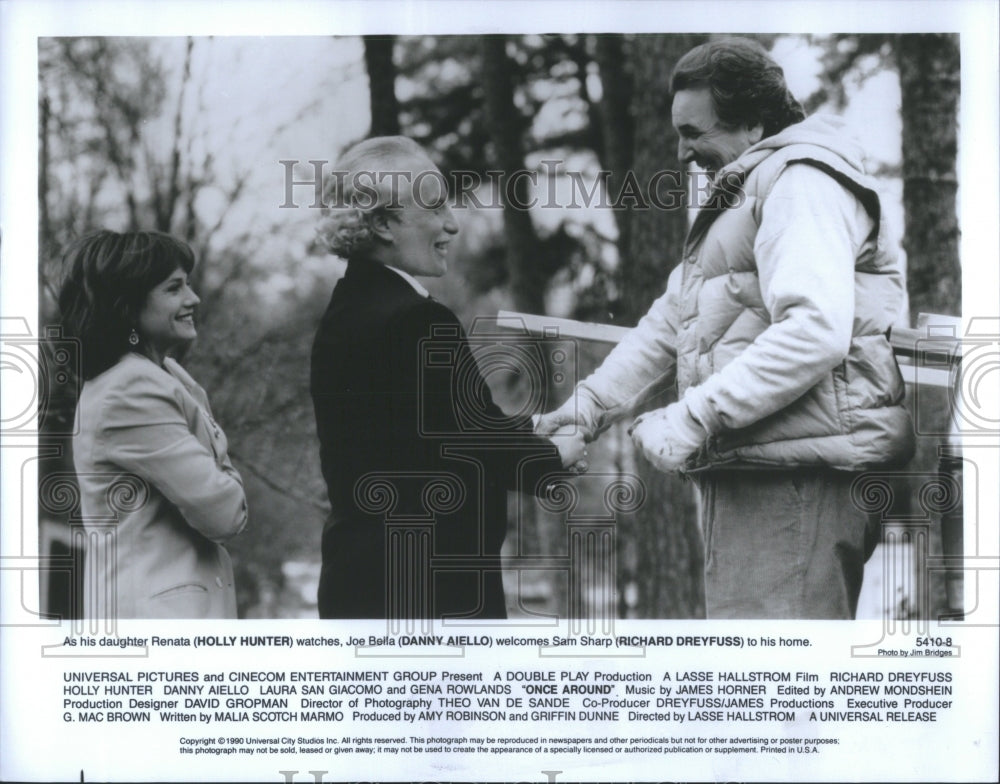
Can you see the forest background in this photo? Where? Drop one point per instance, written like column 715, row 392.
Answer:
column 188, row 135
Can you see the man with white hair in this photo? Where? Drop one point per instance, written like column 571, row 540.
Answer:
column 385, row 413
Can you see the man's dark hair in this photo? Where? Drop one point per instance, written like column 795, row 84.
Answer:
column 748, row 87
column 108, row 278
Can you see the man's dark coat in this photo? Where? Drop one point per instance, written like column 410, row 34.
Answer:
column 411, row 441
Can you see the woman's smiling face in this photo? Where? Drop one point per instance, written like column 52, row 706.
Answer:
column 167, row 319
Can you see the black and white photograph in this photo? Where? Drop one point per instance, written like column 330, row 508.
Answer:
column 400, row 389
column 178, row 226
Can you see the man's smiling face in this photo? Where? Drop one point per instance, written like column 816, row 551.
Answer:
column 421, row 225
column 704, row 139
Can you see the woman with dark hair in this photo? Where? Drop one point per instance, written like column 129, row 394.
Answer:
column 158, row 492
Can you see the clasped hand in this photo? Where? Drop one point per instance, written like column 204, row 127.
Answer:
column 568, row 438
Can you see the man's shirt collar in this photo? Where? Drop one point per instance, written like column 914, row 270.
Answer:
column 409, row 279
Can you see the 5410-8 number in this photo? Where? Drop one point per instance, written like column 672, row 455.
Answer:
column 937, row 642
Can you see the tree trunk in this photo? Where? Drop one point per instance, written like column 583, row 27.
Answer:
column 165, row 205
column 617, row 127
column 528, row 278
column 669, row 571
column 46, row 245
column 929, row 82
column 382, row 84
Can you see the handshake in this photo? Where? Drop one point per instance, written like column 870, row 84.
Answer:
column 569, row 440
column 666, row 437
column 567, row 435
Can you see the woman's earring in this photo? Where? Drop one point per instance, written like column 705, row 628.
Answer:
column 133, row 338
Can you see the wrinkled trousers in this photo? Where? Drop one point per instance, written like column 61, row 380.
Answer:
column 783, row 544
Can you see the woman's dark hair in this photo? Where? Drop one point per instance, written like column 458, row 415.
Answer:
column 108, row 277
column 748, row 88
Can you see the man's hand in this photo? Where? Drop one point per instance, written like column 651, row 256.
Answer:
column 566, row 431
column 572, row 448
column 668, row 436
column 547, row 424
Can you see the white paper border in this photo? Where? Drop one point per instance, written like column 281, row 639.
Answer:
column 30, row 740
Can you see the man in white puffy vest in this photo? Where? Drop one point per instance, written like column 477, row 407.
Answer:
column 774, row 328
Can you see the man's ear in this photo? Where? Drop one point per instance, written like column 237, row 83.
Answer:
column 755, row 133
column 382, row 227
